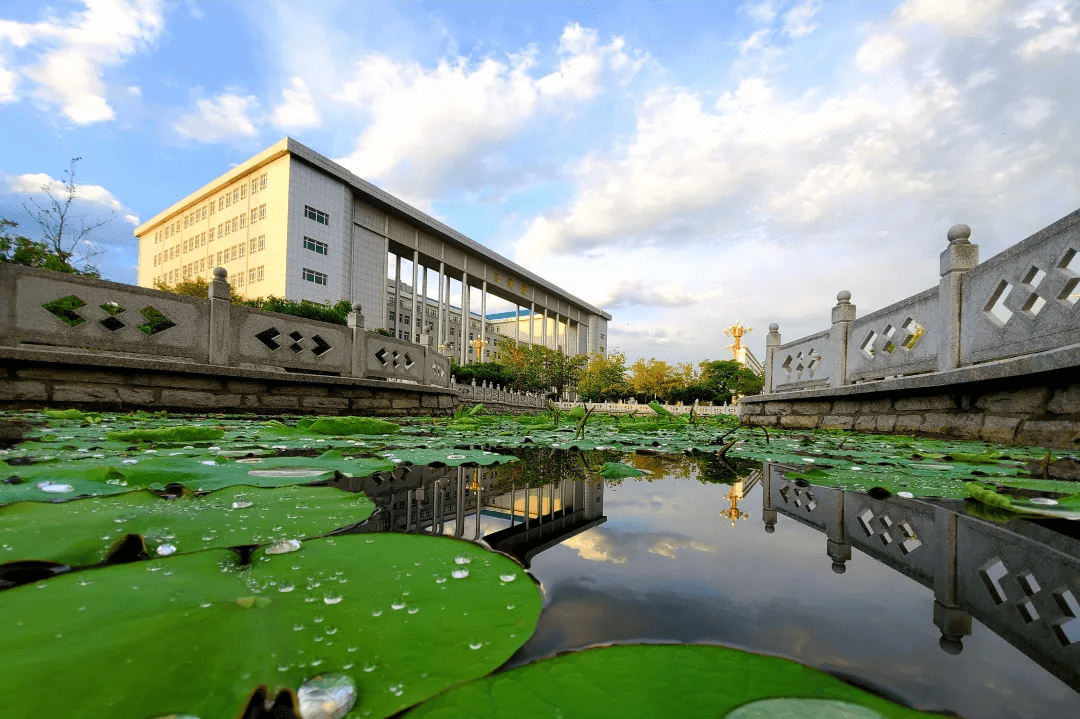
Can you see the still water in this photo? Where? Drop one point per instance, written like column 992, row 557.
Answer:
column 913, row 599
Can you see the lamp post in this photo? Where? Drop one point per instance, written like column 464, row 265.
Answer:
column 478, row 344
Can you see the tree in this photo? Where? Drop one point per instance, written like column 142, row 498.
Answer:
column 62, row 237
column 603, row 379
column 19, row 250
column 726, row 378
column 652, row 377
column 535, row 368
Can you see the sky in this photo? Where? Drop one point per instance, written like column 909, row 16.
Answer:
column 681, row 165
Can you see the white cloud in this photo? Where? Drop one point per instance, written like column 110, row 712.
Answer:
column 879, row 51
column 669, row 546
column 32, row 184
column 297, row 110
column 426, row 122
column 596, row 546
column 68, row 56
column 761, row 11
column 798, row 21
column 1062, row 37
column 8, row 83
column 221, row 119
column 1033, row 111
column 959, row 16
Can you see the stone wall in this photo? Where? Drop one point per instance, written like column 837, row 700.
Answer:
column 1041, row 409
column 38, row 380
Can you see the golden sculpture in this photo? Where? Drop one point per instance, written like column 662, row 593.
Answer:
column 737, row 331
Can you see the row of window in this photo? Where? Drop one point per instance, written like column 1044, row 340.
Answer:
column 315, row 246
column 198, row 267
column 318, row 215
column 201, row 213
column 318, row 278
column 255, row 244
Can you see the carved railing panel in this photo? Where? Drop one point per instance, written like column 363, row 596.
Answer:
column 807, row 362
column 896, row 340
column 388, row 357
column 275, row 340
column 1026, row 299
column 898, row 532
column 817, row 507
column 54, row 309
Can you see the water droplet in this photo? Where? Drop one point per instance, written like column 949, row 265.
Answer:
column 284, row 547
column 241, row 504
column 209, row 462
column 440, row 580
column 1043, row 500
column 84, row 582
column 286, row 588
column 369, row 667
column 165, row 550
column 350, row 649
column 55, row 487
column 462, row 560
column 204, row 605
column 475, row 646
column 397, row 689
column 905, row 495
column 397, row 605
column 331, row 630
column 508, row 577
column 332, row 598
column 376, row 612
column 298, row 627
column 459, row 573
column 414, row 610
column 318, row 618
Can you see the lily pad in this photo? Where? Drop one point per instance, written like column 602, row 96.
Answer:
column 618, row 470
column 656, row 680
column 345, row 426
column 167, row 434
column 81, row 533
column 404, row 616
column 448, row 457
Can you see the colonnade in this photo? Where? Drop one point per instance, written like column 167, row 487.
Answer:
column 556, row 330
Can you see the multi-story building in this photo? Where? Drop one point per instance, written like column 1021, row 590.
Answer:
column 291, row 223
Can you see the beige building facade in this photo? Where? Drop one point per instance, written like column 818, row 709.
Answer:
column 291, row 223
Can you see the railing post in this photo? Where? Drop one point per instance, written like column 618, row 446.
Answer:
column 220, row 315
column 843, row 314
column 359, row 341
column 953, row 622
column 772, row 341
column 959, row 257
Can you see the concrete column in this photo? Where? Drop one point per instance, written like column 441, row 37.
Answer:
column 415, row 292
column 768, row 512
column 423, row 305
column 772, row 342
column 532, row 314
column 220, row 315
column 517, row 323
column 555, row 329
column 544, row 329
column 843, row 315
column 959, row 257
column 463, row 349
column 382, row 283
column 836, row 544
column 482, row 354
column 397, row 294
column 440, row 336
column 359, row 341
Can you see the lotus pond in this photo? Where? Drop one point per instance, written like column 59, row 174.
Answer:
column 209, row 566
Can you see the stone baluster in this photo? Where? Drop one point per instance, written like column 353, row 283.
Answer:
column 772, row 341
column 953, row 622
column 959, row 257
column 843, row 314
column 358, row 366
column 220, row 315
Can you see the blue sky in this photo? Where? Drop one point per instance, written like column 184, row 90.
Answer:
column 680, row 164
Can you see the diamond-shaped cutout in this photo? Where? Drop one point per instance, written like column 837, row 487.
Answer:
column 381, row 355
column 1026, row 607
column 267, row 338
column 155, row 321
column 799, row 366
column 321, row 346
column 112, row 308
column 64, row 309
column 914, row 331
column 437, row 371
column 995, row 309
column 1070, row 267
column 1028, row 584
column 296, row 336
column 408, row 360
column 867, row 346
column 111, row 323
column 889, row 344
column 814, row 359
column 992, row 574
column 787, row 364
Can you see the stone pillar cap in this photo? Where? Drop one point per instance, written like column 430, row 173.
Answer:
column 220, row 273
column 959, row 234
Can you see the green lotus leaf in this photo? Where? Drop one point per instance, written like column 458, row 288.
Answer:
column 168, row 434
column 649, row 681
column 345, row 426
column 43, row 489
column 618, row 470
column 80, row 533
column 449, row 457
column 196, row 633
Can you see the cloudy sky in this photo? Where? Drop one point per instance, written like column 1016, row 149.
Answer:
column 680, row 164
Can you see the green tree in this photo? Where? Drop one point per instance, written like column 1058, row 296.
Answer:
column 726, row 378
column 65, row 236
column 18, row 250
column 653, row 378
column 603, row 379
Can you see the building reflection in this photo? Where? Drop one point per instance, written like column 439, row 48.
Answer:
column 1020, row 579
column 537, row 502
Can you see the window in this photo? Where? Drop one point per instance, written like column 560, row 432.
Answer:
column 318, row 215
column 254, row 216
column 253, row 246
column 228, row 225
column 240, row 247
column 262, row 212
column 204, row 213
column 186, row 220
column 219, row 259
column 240, row 279
column 262, row 181
column 319, row 248
column 262, row 242
column 211, row 234
column 243, row 191
column 405, row 319
column 211, row 207
column 261, row 274
column 403, row 335
column 318, row 278
column 235, row 224
column 202, row 265
column 251, row 276
column 220, row 232
column 236, row 195
column 254, row 186
column 243, row 219
column 221, row 203
column 235, row 250
column 393, row 317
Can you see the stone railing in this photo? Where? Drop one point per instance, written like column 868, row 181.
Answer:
column 1021, row 302
column 1018, row 579
column 49, row 310
column 644, row 409
column 484, row 393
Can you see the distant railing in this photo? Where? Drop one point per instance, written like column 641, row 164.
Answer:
column 484, row 393
column 39, row 308
column 1019, row 302
column 644, row 409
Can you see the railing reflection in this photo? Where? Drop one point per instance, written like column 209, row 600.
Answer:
column 1020, row 579
column 535, row 514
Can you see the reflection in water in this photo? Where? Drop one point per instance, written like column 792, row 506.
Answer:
column 1021, row 579
column 536, row 503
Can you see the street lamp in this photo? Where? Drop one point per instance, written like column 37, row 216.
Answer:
column 478, row 344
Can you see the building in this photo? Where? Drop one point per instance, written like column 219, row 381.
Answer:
column 291, row 223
